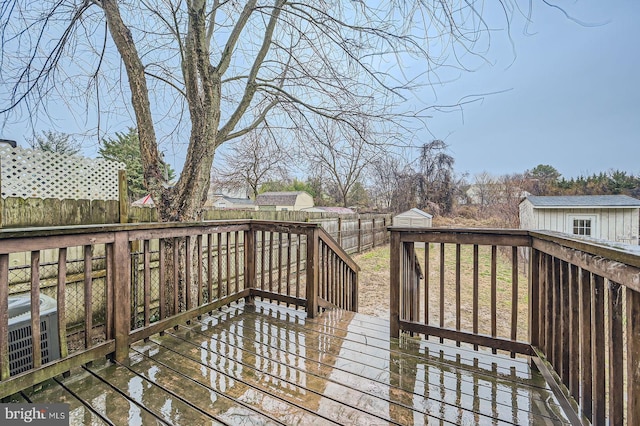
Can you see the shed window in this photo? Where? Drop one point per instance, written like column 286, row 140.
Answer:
column 582, row 227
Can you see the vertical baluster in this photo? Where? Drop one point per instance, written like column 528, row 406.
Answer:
column 458, row 289
column 298, row 251
column 494, row 293
column 176, row 281
column 200, row 267
column 556, row 357
column 4, row 317
column 426, row 283
column 219, row 262
column 88, row 296
column 616, row 355
column 236, row 249
column 263, row 269
column 227, row 250
column 442, row 278
column 564, row 322
column 586, row 345
column 210, row 267
column 633, row 356
column 187, row 273
column 535, row 287
column 62, row 304
column 147, row 281
column 279, row 262
column 288, row 264
column 476, row 280
column 514, row 296
column 549, row 307
column 162, row 285
column 597, row 317
column 574, row 333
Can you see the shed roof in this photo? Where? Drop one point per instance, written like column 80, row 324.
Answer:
column 278, row 198
column 414, row 212
column 583, row 201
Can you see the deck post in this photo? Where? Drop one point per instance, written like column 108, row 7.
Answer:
column 394, row 284
column 122, row 294
column 313, row 266
column 250, row 263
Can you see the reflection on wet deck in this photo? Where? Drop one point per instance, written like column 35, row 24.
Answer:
column 271, row 365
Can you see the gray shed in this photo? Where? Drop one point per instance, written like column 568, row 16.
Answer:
column 414, row 218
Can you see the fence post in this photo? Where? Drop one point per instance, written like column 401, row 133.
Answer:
column 359, row 235
column 121, row 294
column 394, row 284
column 249, row 263
column 313, row 266
column 123, row 198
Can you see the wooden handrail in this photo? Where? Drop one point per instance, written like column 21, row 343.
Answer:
column 576, row 316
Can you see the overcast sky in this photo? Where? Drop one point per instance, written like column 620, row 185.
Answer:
column 570, row 96
column 573, row 99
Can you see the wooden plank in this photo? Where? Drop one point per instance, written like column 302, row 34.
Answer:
column 35, row 309
column 123, row 196
column 183, row 317
column 586, row 345
column 34, row 377
column 626, row 274
column 467, row 236
column 548, row 338
column 633, row 357
column 219, row 261
column 210, row 265
column 249, row 262
column 472, row 338
column 262, row 259
column 188, row 261
column 4, row 317
column 616, row 355
column 236, row 260
column 298, row 262
column 17, row 244
column 394, row 284
column 288, row 264
column 598, row 350
column 279, row 262
column 556, row 317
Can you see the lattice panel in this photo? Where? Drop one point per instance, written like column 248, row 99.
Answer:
column 30, row 173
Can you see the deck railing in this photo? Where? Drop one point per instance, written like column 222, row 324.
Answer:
column 138, row 280
column 573, row 304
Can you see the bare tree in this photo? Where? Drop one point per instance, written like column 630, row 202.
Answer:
column 385, row 178
column 216, row 70
column 250, row 162
column 485, row 191
column 340, row 154
column 435, row 179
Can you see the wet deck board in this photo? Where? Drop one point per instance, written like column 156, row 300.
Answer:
column 272, row 365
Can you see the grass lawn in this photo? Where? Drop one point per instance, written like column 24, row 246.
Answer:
column 374, row 288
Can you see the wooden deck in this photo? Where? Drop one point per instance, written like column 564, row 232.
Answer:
column 272, row 365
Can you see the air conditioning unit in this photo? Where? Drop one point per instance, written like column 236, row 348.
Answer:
column 20, row 344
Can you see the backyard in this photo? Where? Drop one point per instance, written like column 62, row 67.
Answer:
column 374, row 287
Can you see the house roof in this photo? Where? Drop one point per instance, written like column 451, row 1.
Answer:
column 278, row 198
column 583, row 201
column 414, row 212
column 233, row 200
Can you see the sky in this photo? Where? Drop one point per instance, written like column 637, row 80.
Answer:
column 564, row 94
column 572, row 96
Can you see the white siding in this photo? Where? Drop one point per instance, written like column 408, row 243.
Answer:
column 621, row 225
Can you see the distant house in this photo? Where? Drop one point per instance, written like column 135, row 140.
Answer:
column 414, row 218
column 225, row 202
column 323, row 209
column 294, row 200
column 606, row 217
